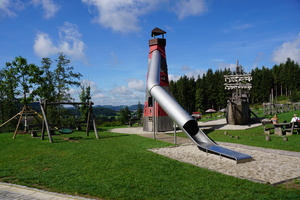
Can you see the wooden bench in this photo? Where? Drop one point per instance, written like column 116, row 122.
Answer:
column 295, row 126
column 268, row 126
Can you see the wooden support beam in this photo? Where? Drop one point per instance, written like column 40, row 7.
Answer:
column 21, row 113
column 10, row 119
column 89, row 118
column 46, row 123
column 94, row 122
column 88, row 121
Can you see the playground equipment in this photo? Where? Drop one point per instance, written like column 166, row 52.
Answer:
column 67, row 130
column 155, row 118
column 25, row 112
column 185, row 122
column 238, row 109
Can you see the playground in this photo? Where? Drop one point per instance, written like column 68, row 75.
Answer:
column 120, row 164
column 269, row 165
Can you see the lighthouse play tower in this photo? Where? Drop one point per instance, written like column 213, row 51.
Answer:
column 155, row 118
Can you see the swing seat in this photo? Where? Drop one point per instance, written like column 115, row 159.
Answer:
column 65, row 130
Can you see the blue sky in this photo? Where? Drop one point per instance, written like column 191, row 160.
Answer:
column 107, row 40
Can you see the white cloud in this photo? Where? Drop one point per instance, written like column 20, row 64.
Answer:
column 95, row 91
column 123, row 15
column 119, row 95
column 185, row 8
column 49, row 7
column 92, row 84
column 137, row 85
column 287, row 50
column 174, row 77
column 121, row 90
column 8, row 7
column 187, row 71
column 231, row 66
column 195, row 73
column 70, row 43
column 43, row 45
column 74, row 92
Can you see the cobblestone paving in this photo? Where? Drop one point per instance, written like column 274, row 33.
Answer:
column 8, row 195
column 16, row 192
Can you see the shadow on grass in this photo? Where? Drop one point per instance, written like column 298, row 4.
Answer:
column 79, row 138
column 207, row 131
column 114, row 136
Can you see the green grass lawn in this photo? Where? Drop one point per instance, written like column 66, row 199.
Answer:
column 119, row 166
column 256, row 137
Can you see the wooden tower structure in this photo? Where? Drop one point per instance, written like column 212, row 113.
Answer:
column 238, row 109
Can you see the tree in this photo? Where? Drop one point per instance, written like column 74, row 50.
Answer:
column 125, row 115
column 85, row 97
column 46, row 88
column 64, row 78
column 139, row 113
column 7, row 95
column 293, row 82
column 24, row 76
column 185, row 94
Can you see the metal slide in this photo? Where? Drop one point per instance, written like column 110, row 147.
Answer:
column 185, row 122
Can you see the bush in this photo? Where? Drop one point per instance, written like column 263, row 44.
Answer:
column 111, row 124
column 295, row 97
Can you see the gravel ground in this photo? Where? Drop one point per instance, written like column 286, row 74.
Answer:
column 269, row 166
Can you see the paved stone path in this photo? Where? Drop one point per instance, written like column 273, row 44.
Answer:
column 16, row 192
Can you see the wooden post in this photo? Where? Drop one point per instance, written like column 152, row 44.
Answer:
column 9, row 120
column 43, row 122
column 46, row 122
column 175, row 136
column 21, row 113
column 88, row 121
column 93, row 119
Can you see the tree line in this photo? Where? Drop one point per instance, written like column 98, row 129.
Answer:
column 22, row 83
column 208, row 91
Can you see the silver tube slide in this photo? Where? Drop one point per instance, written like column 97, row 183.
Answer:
column 185, row 122
column 170, row 105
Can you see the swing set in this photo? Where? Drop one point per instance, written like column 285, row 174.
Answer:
column 46, row 127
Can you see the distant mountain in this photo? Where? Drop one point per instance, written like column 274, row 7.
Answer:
column 36, row 106
column 117, row 108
